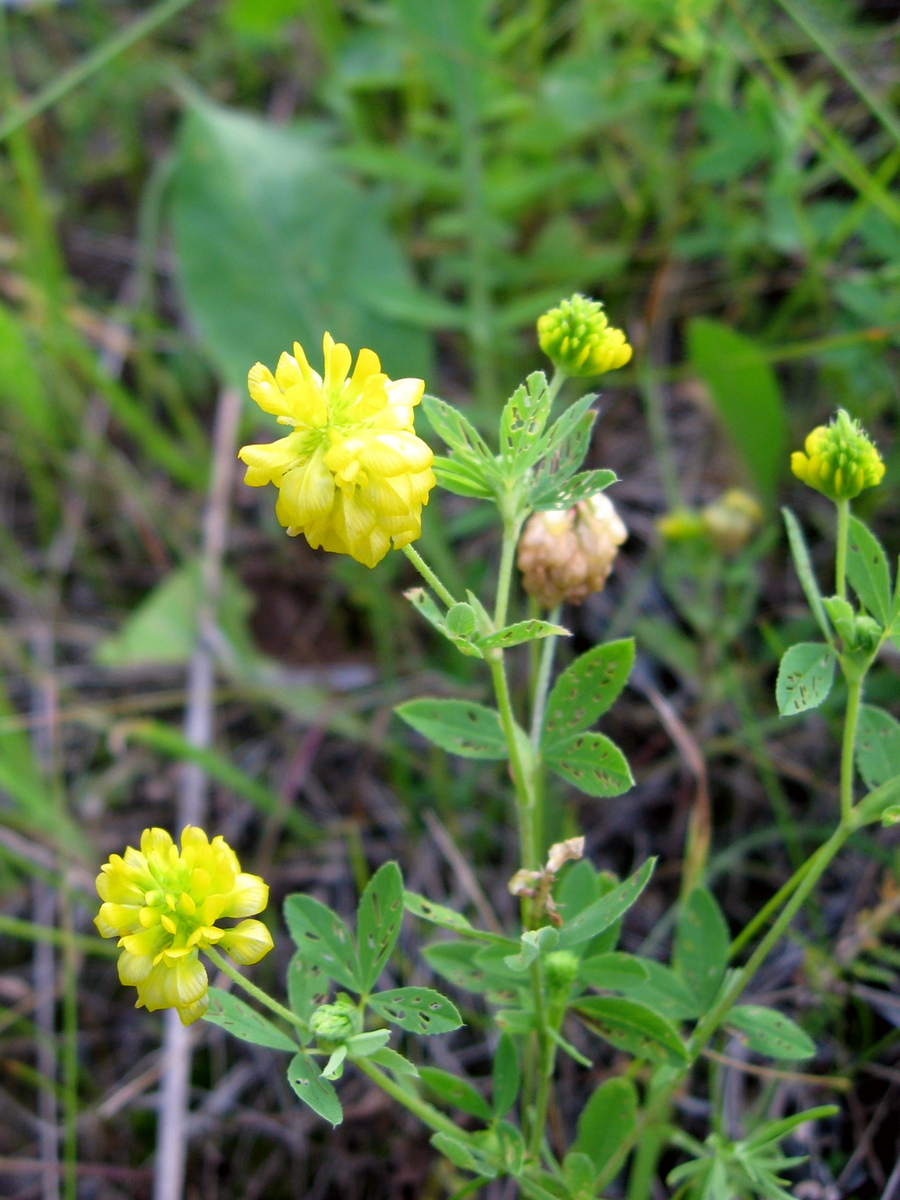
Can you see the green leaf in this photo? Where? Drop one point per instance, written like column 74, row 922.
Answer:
column 462, row 478
column 522, row 631
column 868, row 572
column 521, row 425
column 608, row 1118
column 323, row 939
column 663, row 991
column 419, row 1010
column 581, row 1176
column 506, row 1075
column 562, row 448
column 304, row 1077
column 378, row 922
column 701, row 945
column 774, row 1131
column 805, row 573
column 307, row 984
column 805, row 677
column 275, row 243
column 877, row 746
column 464, row 1155
column 461, row 619
column 426, row 607
column 586, row 689
column 553, row 495
column 613, row 971
column 460, row 964
column 395, row 1062
column 532, row 943
column 606, row 910
column 770, row 1032
column 244, row 1022
column 877, row 805
column 746, row 394
column 364, row 1045
column 459, row 433
column 458, row 726
column 592, row 762
column 456, row 1091
column 633, row 1027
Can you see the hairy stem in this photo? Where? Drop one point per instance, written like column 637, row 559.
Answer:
column 848, row 745
column 256, row 992
column 427, row 1113
column 428, row 575
column 840, row 562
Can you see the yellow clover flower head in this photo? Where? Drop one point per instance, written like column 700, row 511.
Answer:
column 578, row 339
column 352, row 475
column 840, row 459
column 163, row 905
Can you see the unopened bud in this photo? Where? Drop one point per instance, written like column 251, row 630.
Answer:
column 333, row 1022
column 839, row 460
column 578, row 339
column 681, row 525
column 565, row 556
column 560, row 969
column 732, row 520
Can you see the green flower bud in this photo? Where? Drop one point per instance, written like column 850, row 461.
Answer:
column 840, row 459
column 334, row 1022
column 560, row 969
column 578, row 339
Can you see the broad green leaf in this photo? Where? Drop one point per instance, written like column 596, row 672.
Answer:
column 452, row 41
column 868, row 572
column 606, row 910
column 663, row 991
column 581, row 1176
column 378, row 922
column 580, row 886
column 307, row 985
column 805, row 573
column 746, row 394
column 419, row 1010
column 364, row 1045
column 522, row 423
column 275, row 243
column 613, row 971
column 506, row 1075
column 877, row 746
column 456, row 1091
column 458, row 964
column 769, row 1032
column 551, row 495
column 592, row 762
column 461, row 619
column 305, row 1078
column 244, row 1022
column 322, row 938
column 633, row 1027
column 805, row 676
column 394, row 1062
column 458, row 726
column 701, row 945
column 464, row 1155
column 522, row 631
column 586, row 689
column 607, row 1120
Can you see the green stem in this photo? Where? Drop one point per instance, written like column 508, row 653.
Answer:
column 428, row 575
column 840, row 562
column 546, row 1062
column 542, row 685
column 93, row 62
column 426, row 1112
column 772, row 905
column 553, row 387
column 848, row 745
column 520, row 772
column 511, row 527
column 256, row 992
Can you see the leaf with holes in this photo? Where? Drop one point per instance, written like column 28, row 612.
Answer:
column 307, row 985
column 244, row 1022
column 304, row 1077
column 805, row 677
column 701, row 945
column 458, row 1092
column 868, row 572
column 592, row 762
column 607, row 1120
column 419, row 1010
column 633, row 1027
column 586, row 689
column 459, row 434
column 521, row 425
column 522, row 631
column 607, row 909
column 457, row 726
column 323, row 939
column 378, row 922
column 877, row 746
column 805, row 573
column 553, row 495
column 769, row 1032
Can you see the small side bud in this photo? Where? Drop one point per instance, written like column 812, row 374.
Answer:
column 839, row 460
column 334, row 1023
column 578, row 339
column 565, row 556
column 560, row 969
column 732, row 520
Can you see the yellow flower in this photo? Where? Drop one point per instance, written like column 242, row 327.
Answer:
column 352, row 475
column 578, row 339
column 840, row 459
column 163, row 907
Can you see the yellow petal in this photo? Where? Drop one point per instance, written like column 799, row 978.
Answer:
column 268, row 462
column 155, row 841
column 188, row 1013
column 264, row 390
column 406, row 392
column 113, row 920
column 134, row 968
column 288, row 373
column 174, row 986
column 306, row 492
column 337, row 363
column 356, row 525
column 395, row 453
column 367, row 364
column 312, row 378
column 247, row 942
column 249, row 895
